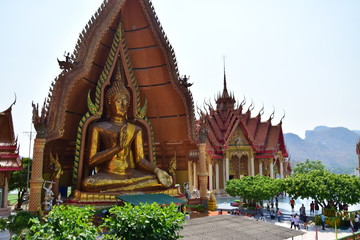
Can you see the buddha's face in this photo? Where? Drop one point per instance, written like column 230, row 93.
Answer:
column 119, row 105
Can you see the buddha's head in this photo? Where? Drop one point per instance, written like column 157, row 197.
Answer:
column 117, row 98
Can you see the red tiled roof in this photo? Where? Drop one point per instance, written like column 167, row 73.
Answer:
column 265, row 138
column 9, row 157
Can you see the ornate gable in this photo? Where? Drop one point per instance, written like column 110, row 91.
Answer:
column 126, row 32
column 238, row 138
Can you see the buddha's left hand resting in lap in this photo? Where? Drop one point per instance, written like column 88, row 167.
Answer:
column 116, row 150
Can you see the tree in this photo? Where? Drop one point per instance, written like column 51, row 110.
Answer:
column 308, row 166
column 254, row 188
column 324, row 187
column 18, row 181
column 147, row 221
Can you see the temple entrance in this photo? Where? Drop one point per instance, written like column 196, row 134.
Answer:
column 234, row 167
column 244, row 166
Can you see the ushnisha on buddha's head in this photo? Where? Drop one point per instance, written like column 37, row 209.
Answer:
column 117, row 99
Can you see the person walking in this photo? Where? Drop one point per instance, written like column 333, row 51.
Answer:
column 323, row 221
column 316, row 207
column 291, row 221
column 296, row 221
column 312, row 207
column 279, row 214
column 292, row 204
column 302, row 211
column 356, row 222
column 305, row 222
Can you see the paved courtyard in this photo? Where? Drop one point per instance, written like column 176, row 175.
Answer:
column 328, row 234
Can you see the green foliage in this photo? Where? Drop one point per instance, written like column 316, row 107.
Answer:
column 18, row 181
column 308, row 166
column 147, row 221
column 324, row 186
column 16, row 223
column 3, row 224
column 254, row 188
column 64, row 222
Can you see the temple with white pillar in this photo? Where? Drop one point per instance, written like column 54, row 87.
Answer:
column 239, row 144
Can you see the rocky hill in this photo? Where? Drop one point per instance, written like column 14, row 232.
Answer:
column 335, row 147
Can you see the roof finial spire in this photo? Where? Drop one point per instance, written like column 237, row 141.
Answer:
column 224, row 57
column 225, row 93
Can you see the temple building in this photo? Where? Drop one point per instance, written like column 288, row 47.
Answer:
column 238, row 144
column 123, row 40
column 120, row 113
column 9, row 157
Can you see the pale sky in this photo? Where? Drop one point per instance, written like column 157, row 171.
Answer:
column 297, row 56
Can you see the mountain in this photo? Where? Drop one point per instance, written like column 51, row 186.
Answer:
column 335, row 147
column 357, row 131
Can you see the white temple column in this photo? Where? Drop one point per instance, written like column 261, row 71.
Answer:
column 195, row 176
column 252, row 167
column 249, row 166
column 227, row 169
column 260, row 167
column 271, row 168
column 210, row 176
column 190, row 175
column 217, row 180
column 281, row 169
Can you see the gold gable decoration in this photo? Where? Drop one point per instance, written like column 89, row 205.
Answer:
column 238, row 138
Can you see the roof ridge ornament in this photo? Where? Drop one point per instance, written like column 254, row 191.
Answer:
column 282, row 117
column 225, row 91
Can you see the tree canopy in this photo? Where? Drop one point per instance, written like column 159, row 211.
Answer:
column 18, row 181
column 324, row 187
column 308, row 166
column 254, row 188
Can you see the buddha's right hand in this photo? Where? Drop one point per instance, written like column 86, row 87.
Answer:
column 123, row 137
column 164, row 178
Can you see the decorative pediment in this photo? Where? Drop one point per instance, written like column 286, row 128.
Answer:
column 238, row 138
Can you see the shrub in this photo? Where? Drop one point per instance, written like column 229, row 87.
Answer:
column 16, row 223
column 147, row 221
column 64, row 222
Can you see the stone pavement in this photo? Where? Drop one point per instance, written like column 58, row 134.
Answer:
column 310, row 233
column 4, row 235
column 285, row 208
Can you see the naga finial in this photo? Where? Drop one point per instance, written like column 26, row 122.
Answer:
column 40, row 121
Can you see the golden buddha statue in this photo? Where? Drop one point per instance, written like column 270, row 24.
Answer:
column 116, row 150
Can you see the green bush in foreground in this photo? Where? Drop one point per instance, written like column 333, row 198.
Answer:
column 147, row 221
column 64, row 222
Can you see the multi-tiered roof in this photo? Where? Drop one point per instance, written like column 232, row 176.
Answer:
column 266, row 139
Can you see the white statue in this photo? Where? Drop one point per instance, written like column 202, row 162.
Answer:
column 58, row 200
column 187, row 191
column 49, row 195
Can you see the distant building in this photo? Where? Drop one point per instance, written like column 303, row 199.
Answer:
column 9, row 157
